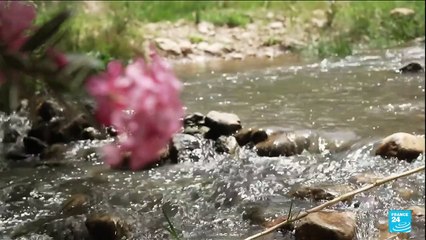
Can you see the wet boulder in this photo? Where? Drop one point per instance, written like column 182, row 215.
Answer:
column 194, row 124
column 221, row 124
column 10, row 135
column 403, row 146
column 59, row 130
column 47, row 110
column 184, row 147
column 34, row 145
column 331, row 225
column 285, row 144
column 17, row 152
column 412, row 67
column 226, row 144
column 194, row 119
column 250, row 136
column 90, row 133
column 76, row 129
column 48, row 132
column 243, row 136
column 106, row 227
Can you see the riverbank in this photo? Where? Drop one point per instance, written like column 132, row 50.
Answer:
column 238, row 30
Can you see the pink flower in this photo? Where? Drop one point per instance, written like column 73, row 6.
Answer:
column 15, row 18
column 143, row 103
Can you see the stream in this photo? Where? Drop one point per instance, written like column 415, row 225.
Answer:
column 359, row 100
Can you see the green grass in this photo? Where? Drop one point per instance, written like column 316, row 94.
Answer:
column 115, row 31
column 196, row 39
column 272, row 41
column 358, row 24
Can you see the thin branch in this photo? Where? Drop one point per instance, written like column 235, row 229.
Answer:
column 338, row 199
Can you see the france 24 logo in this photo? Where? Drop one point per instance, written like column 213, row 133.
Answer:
column 399, row 221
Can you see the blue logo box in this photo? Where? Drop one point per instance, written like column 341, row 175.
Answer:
column 399, row 221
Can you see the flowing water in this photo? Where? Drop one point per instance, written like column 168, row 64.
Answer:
column 358, row 99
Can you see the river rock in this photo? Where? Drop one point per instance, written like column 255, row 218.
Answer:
column 417, row 212
column 413, row 67
column 106, row 227
column 331, row 225
column 284, row 144
column 221, row 124
column 251, row 136
column 112, row 132
column 363, row 178
column 276, row 25
column 185, row 47
column 194, row 119
column 215, row 49
column 17, row 152
column 10, row 135
column 226, row 144
column 320, row 193
column 384, row 233
column 403, row 146
column 402, row 12
column 194, row 124
column 90, row 133
column 48, row 132
column 243, row 136
column 69, row 228
column 34, row 145
column 48, row 109
column 76, row 129
column 76, row 204
column 319, row 19
column 168, row 46
column 185, row 147
column 206, row 28
column 406, row 193
column 253, row 214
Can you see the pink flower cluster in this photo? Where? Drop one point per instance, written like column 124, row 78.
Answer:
column 142, row 101
column 16, row 18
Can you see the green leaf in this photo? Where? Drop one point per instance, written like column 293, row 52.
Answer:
column 45, row 32
column 170, row 228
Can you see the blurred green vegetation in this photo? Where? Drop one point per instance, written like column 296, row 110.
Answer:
column 115, row 30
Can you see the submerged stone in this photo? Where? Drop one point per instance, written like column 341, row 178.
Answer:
column 106, row 227
column 319, row 193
